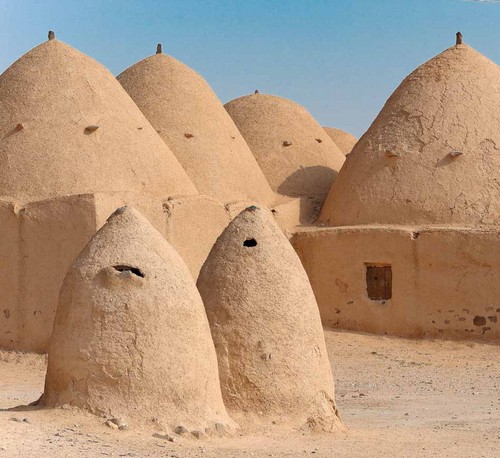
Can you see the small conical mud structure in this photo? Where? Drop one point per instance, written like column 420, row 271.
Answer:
column 344, row 140
column 190, row 118
column 68, row 127
column 298, row 158
column 432, row 154
column 266, row 327
column 131, row 338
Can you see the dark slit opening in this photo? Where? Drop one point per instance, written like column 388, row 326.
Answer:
column 134, row 270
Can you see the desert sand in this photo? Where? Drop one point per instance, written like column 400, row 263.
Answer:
column 397, row 397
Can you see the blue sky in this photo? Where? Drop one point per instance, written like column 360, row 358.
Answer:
column 341, row 59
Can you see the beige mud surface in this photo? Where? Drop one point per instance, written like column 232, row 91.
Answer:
column 398, row 398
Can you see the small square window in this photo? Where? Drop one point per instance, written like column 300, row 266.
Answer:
column 379, row 282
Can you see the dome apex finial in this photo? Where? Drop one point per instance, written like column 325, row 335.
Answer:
column 256, row 91
column 459, row 38
column 52, row 35
column 159, row 49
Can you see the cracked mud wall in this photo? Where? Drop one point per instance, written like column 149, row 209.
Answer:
column 192, row 226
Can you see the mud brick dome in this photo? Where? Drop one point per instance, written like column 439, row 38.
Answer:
column 68, row 127
column 192, row 121
column 298, row 158
column 432, row 156
column 344, row 140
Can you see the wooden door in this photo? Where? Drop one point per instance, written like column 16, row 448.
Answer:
column 379, row 282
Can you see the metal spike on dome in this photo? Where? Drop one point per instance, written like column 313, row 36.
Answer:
column 256, row 91
column 459, row 38
column 159, row 48
column 52, row 35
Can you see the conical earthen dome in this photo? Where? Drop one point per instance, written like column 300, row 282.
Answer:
column 68, row 127
column 298, row 158
column 131, row 337
column 190, row 118
column 265, row 323
column 344, row 140
column 432, row 156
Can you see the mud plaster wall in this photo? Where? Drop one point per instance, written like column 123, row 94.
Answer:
column 39, row 242
column 445, row 282
column 9, row 271
column 192, row 226
column 46, row 237
column 150, row 208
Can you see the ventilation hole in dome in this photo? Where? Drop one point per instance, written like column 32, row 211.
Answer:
column 133, row 270
column 250, row 243
column 319, row 140
column 90, row 129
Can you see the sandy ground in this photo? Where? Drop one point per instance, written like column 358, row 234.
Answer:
column 397, row 397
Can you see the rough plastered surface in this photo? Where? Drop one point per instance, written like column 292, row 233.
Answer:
column 190, row 118
column 298, row 158
column 192, row 225
column 40, row 242
column 445, row 281
column 344, row 140
column 432, row 156
column 265, row 323
column 131, row 338
column 51, row 101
